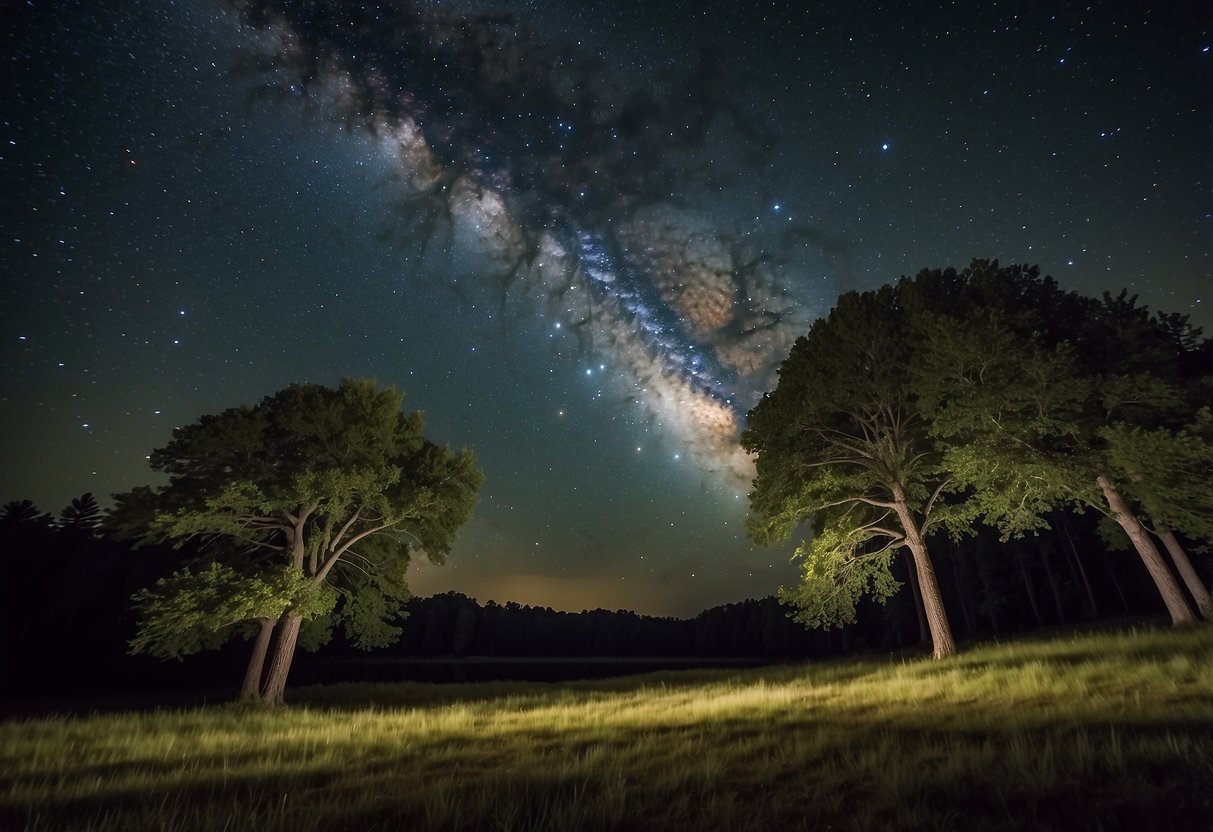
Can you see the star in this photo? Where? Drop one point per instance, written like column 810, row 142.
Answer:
column 623, row 221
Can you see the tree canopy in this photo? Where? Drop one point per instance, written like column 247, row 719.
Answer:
column 841, row 440
column 987, row 394
column 311, row 503
column 1044, row 399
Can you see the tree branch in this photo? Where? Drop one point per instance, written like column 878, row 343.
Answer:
column 873, row 502
column 331, row 561
column 344, row 528
column 926, row 512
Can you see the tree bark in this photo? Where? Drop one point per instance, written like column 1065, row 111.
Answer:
column 991, row 600
column 274, row 691
column 1120, row 590
column 1054, row 585
column 1172, row 594
column 1196, row 587
column 970, row 624
column 942, row 643
column 924, row 631
column 1027, row 583
column 1092, row 606
column 251, row 688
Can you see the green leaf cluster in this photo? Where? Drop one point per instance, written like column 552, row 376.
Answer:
column 198, row 609
column 986, row 395
column 1033, row 392
column 841, row 564
column 841, row 440
column 312, row 501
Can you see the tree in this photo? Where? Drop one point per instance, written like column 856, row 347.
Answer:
column 1031, row 390
column 986, row 394
column 311, row 503
column 19, row 512
column 82, row 514
column 840, row 442
column 1170, row 475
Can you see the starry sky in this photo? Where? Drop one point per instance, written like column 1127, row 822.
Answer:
column 580, row 236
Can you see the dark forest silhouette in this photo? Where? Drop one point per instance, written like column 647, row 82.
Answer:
column 66, row 613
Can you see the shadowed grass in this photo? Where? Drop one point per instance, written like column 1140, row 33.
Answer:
column 1106, row 731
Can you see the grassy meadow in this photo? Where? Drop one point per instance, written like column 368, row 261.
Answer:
column 1104, row 731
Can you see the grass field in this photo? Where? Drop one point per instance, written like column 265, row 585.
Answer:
column 1104, row 732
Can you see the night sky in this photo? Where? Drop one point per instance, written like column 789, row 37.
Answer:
column 579, row 236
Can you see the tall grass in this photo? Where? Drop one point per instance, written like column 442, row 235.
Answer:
column 1102, row 732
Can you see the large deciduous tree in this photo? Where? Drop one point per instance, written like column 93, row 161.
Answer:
column 841, row 441
column 1169, row 475
column 1042, row 398
column 311, row 503
column 988, row 393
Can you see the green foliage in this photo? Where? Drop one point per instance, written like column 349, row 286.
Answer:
column 200, row 609
column 840, row 564
column 841, row 438
column 1004, row 410
column 832, row 429
column 988, row 394
column 132, row 517
column 1168, row 473
column 1033, row 392
column 334, row 489
column 373, row 599
column 314, row 633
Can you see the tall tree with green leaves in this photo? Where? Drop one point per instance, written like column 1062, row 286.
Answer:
column 1026, row 388
column 311, row 504
column 840, row 442
column 1169, row 475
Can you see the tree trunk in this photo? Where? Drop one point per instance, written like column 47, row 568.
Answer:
column 1197, row 588
column 942, row 643
column 1027, row 582
column 970, row 624
column 251, row 688
column 1054, row 585
column 1168, row 587
column 1120, row 590
column 924, row 631
column 1092, row 606
column 274, row 691
column 991, row 600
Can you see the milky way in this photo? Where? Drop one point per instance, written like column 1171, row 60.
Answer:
column 581, row 189
column 578, row 235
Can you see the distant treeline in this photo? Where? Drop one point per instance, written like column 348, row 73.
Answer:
column 997, row 588
column 66, row 615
